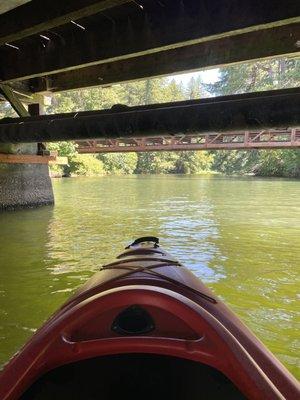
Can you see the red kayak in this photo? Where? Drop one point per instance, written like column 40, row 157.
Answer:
column 144, row 327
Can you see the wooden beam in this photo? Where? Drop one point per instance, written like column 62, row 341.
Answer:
column 22, row 90
column 59, row 161
column 230, row 113
column 273, row 42
column 14, row 100
column 25, row 159
column 116, row 109
column 129, row 31
column 37, row 16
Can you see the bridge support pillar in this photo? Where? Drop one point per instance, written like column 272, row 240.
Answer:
column 24, row 185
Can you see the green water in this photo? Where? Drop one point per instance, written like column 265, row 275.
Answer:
column 239, row 235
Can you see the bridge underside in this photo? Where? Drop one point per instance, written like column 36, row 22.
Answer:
column 55, row 45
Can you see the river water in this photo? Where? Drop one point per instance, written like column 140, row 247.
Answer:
column 241, row 236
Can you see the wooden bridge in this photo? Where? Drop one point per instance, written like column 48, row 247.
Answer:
column 265, row 139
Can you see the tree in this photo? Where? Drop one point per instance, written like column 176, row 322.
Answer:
column 193, row 162
column 156, row 162
column 194, row 88
column 6, row 110
column 64, row 149
column 174, row 91
column 119, row 163
column 279, row 163
column 256, row 76
column 85, row 164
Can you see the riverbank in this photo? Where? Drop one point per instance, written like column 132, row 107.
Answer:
column 268, row 163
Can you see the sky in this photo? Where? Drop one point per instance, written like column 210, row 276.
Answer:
column 207, row 76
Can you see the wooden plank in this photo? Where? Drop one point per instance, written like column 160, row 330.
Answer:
column 39, row 16
column 25, row 159
column 59, row 161
column 135, row 32
column 14, row 100
column 21, row 89
column 6, row 5
column 274, row 42
column 256, row 111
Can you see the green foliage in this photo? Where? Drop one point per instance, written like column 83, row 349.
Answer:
column 156, row 162
column 193, row 162
column 194, row 88
column 256, row 76
column 84, row 100
column 64, row 149
column 85, row 164
column 6, row 110
column 119, row 163
column 279, row 163
column 57, row 171
column 285, row 163
column 235, row 161
column 174, row 91
column 184, row 162
column 158, row 90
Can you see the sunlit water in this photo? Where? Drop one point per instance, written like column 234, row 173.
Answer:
column 241, row 236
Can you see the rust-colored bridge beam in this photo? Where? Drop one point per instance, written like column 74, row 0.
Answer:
column 266, row 139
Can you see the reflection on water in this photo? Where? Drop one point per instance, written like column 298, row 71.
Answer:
column 241, row 236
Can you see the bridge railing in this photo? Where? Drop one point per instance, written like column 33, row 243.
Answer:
column 266, row 139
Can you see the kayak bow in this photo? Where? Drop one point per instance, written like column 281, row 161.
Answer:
column 145, row 327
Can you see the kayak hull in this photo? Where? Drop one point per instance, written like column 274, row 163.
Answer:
column 144, row 306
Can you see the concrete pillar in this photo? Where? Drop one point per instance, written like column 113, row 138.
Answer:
column 24, row 185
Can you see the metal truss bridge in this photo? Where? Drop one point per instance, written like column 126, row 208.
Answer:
column 265, row 139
